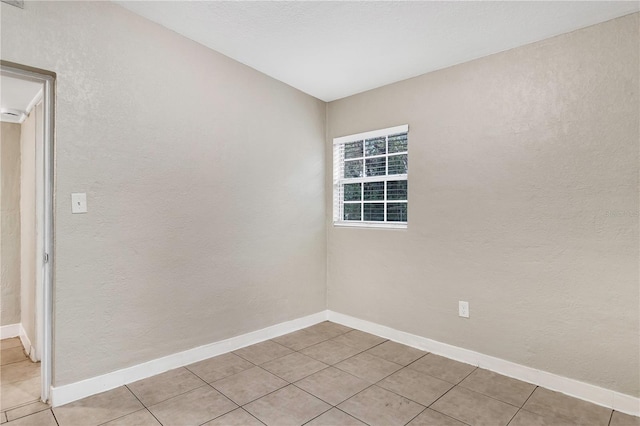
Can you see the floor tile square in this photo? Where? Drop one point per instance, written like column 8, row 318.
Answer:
column 299, row 339
column 98, row 408
column 248, row 385
column 13, row 342
column 621, row 419
column 335, row 417
column 26, row 410
column 11, row 355
column 474, row 408
column 3, row 418
column 219, row 367
column 416, row 386
column 237, row 417
column 443, row 368
column 359, row 340
column 263, row 352
column 330, row 352
column 139, row 418
column 294, row 367
column 562, row 407
column 332, row 385
column 328, row 329
column 43, row 418
column 19, row 393
column 526, row 418
column 432, row 418
column 506, row 389
column 19, row 371
column 163, row 386
column 287, row 406
column 368, row 367
column 376, row 406
column 192, row 408
column 395, row 352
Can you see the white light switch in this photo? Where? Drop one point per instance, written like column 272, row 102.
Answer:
column 78, row 202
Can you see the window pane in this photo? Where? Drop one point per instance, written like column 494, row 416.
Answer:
column 353, row 149
column 376, row 166
column 374, row 212
column 375, row 146
column 396, row 190
column 398, row 143
column 352, row 192
column 374, row 191
column 352, row 211
column 353, row 169
column 398, row 164
column 396, row 212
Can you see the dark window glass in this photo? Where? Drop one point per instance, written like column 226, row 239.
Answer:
column 352, row 192
column 397, row 190
column 398, row 164
column 375, row 146
column 376, row 166
column 397, row 212
column 398, row 143
column 353, row 149
column 352, row 211
column 353, row 169
column 374, row 212
column 374, row 191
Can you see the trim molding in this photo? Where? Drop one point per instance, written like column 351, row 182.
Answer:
column 26, row 344
column 10, row 330
column 64, row 394
column 585, row 391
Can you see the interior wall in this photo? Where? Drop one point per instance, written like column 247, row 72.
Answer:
column 10, row 223
column 29, row 141
column 204, row 181
column 523, row 201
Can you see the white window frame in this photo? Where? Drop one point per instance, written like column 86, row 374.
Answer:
column 339, row 181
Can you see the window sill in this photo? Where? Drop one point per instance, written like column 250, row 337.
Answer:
column 370, row 225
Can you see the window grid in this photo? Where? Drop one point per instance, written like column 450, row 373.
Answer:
column 362, row 172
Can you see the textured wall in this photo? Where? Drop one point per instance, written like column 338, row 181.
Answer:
column 523, row 200
column 204, row 181
column 10, row 224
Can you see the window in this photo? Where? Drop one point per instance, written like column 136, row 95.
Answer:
column 370, row 178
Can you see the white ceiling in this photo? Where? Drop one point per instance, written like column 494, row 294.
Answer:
column 335, row 49
column 17, row 98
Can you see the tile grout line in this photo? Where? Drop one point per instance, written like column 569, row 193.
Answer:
column 145, row 407
column 523, row 404
column 54, row 416
column 442, row 396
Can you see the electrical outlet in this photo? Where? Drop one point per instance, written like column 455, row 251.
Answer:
column 463, row 309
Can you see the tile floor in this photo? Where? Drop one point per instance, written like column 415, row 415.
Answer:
column 19, row 377
column 326, row 374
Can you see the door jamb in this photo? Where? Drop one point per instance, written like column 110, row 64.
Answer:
column 44, row 289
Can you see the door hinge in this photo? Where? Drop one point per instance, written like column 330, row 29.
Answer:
column 46, row 258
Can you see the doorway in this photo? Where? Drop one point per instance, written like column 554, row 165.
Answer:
column 27, row 98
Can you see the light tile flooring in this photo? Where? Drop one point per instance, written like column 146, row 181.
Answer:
column 326, row 374
column 19, row 379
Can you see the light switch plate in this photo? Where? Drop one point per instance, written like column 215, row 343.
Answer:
column 78, row 202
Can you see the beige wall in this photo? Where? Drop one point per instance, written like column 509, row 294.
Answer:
column 29, row 142
column 523, row 200
column 10, row 223
column 204, row 181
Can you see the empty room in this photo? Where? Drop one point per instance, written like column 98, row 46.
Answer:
column 320, row 213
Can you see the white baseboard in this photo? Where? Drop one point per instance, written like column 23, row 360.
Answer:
column 585, row 391
column 64, row 394
column 9, row 331
column 26, row 344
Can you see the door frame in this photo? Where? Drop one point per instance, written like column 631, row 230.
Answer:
column 45, row 219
